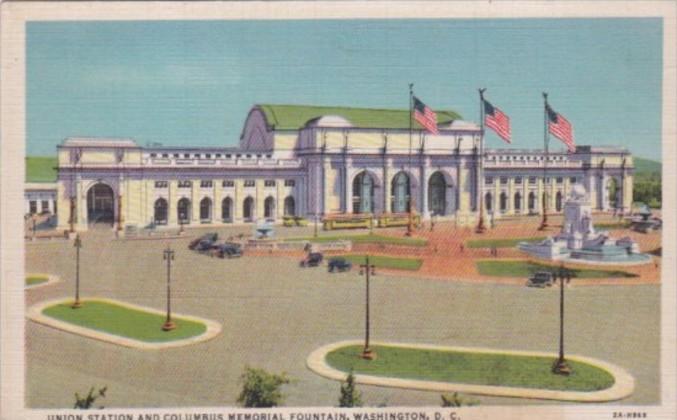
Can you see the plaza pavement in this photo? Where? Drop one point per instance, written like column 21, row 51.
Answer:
column 274, row 314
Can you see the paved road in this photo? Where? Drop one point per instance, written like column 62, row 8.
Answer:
column 274, row 314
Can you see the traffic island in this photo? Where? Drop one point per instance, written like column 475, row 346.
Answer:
column 122, row 323
column 472, row 370
column 34, row 281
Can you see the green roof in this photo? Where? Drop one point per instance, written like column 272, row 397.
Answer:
column 41, row 169
column 294, row 117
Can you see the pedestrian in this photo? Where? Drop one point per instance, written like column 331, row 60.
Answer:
column 461, row 247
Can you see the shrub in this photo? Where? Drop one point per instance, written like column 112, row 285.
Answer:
column 350, row 396
column 85, row 403
column 261, row 389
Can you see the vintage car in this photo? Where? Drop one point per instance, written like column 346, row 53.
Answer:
column 228, row 250
column 313, row 259
column 207, row 237
column 339, row 264
column 540, row 279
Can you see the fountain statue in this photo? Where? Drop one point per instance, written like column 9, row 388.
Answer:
column 578, row 241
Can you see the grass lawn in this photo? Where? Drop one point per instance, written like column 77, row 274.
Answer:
column 470, row 368
column 122, row 321
column 612, row 225
column 365, row 239
column 500, row 243
column 379, row 261
column 33, row 280
column 527, row 268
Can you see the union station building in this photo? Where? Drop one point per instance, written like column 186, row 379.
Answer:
column 323, row 162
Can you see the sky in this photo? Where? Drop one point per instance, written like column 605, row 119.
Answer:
column 183, row 83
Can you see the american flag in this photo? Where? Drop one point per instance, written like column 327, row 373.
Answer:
column 425, row 116
column 561, row 128
column 495, row 119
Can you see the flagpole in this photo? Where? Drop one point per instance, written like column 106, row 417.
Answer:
column 480, row 224
column 410, row 223
column 546, row 141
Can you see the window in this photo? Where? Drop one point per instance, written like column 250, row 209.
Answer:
column 185, row 184
column 206, row 184
column 228, row 156
column 547, row 179
column 269, row 156
column 44, row 205
column 269, row 183
column 249, row 156
column 573, row 180
column 176, row 155
column 165, row 155
column 504, row 180
column 249, row 183
column 289, row 183
column 186, row 155
column 238, row 155
column 218, row 155
column 559, row 179
column 33, row 206
column 160, row 184
column 228, row 183
column 488, row 180
column 518, row 180
column 197, row 155
column 259, row 156
column 208, row 155
column 532, row 180
column 153, row 155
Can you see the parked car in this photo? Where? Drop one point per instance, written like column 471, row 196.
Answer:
column 228, row 250
column 313, row 259
column 339, row 264
column 204, row 245
column 540, row 279
column 211, row 237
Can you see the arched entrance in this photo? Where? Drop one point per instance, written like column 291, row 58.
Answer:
column 518, row 202
column 269, row 208
column 100, row 205
column 206, row 210
column 558, row 201
column 401, row 188
column 289, row 206
column 437, row 194
column 248, row 209
column 488, row 202
column 227, row 209
column 363, row 193
column 183, row 210
column 612, row 193
column 160, row 211
column 503, row 202
column 532, row 202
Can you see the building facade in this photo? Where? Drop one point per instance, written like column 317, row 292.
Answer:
column 319, row 162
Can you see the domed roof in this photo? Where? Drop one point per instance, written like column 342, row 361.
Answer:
column 329, row 121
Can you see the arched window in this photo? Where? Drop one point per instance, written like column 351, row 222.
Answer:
column 227, row 209
column 248, row 209
column 518, row 202
column 289, row 206
column 503, row 202
column 437, row 194
column 400, row 193
column 160, row 211
column 532, row 202
column 206, row 209
column 612, row 193
column 269, row 208
column 363, row 193
column 488, row 202
column 183, row 210
column 558, row 201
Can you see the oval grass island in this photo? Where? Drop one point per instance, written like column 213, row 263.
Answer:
column 123, row 323
column 471, row 370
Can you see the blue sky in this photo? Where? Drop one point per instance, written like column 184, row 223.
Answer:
column 192, row 82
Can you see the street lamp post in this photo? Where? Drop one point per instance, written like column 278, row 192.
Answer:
column 561, row 367
column 33, row 220
column 168, row 255
column 77, row 244
column 368, row 270
column 432, row 221
column 315, row 228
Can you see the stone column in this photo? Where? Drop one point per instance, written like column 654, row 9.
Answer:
column 387, row 185
column 279, row 200
column 218, row 198
column 423, row 183
column 259, row 198
column 195, row 202
column 172, row 201
column 347, row 186
column 238, row 201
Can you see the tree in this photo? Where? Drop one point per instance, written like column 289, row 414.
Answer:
column 260, row 388
column 350, row 396
column 457, row 400
column 85, row 403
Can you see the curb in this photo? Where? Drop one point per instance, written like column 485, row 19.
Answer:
column 34, row 313
column 624, row 383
